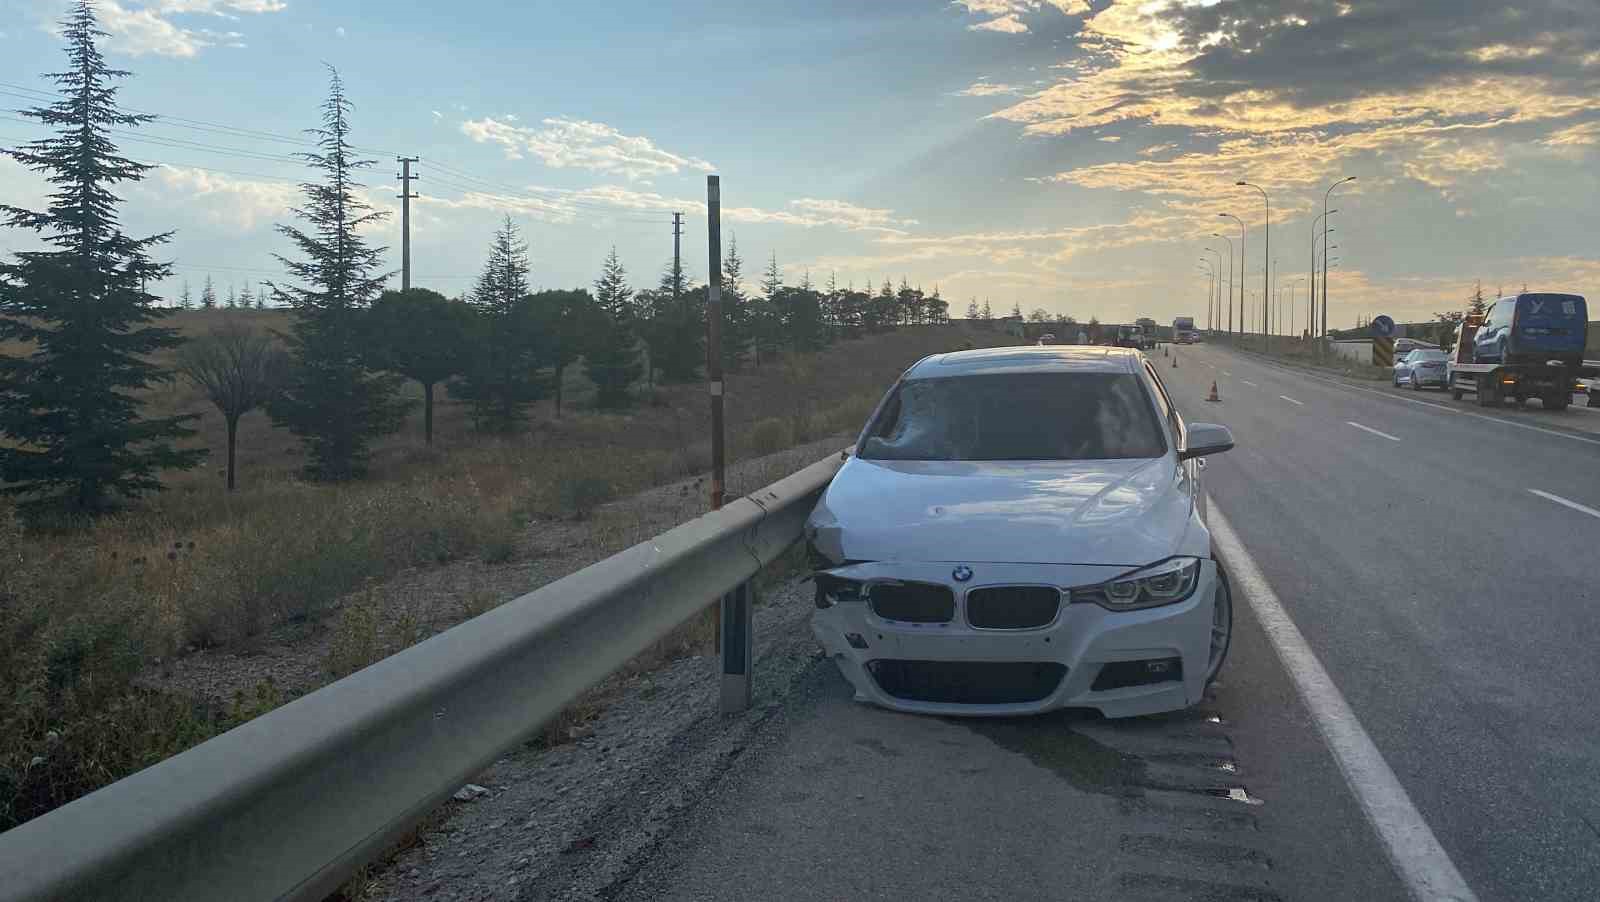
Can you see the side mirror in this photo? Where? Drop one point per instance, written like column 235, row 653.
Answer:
column 1204, row 439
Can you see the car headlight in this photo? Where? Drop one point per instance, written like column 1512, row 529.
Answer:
column 832, row 590
column 1168, row 582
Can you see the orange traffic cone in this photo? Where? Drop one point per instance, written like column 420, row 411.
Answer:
column 1174, row 361
column 1213, row 395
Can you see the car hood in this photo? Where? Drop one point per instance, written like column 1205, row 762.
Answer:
column 1124, row 512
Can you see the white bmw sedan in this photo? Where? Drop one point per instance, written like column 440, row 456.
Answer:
column 1023, row 529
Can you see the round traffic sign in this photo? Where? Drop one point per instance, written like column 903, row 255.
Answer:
column 1382, row 326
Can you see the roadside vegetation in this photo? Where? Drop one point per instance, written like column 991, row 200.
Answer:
column 251, row 470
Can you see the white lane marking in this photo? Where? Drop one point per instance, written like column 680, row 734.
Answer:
column 1421, row 863
column 1584, row 508
column 1249, row 383
column 1372, row 430
column 1226, row 373
column 1292, row 401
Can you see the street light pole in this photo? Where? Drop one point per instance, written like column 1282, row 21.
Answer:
column 1326, row 195
column 1266, row 263
column 1311, row 319
column 1242, row 269
column 1212, row 285
column 1230, row 281
column 1218, row 275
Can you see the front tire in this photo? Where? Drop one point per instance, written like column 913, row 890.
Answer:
column 1221, row 625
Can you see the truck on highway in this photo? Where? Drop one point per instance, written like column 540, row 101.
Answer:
column 1183, row 331
column 1151, row 331
column 1529, row 345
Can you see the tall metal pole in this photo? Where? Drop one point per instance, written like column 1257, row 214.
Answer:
column 1230, row 277
column 1242, row 270
column 406, row 178
column 1218, row 272
column 1325, row 197
column 1266, row 263
column 714, row 330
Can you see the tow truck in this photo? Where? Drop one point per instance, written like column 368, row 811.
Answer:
column 1551, row 381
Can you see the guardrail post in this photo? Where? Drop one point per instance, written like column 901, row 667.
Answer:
column 737, row 641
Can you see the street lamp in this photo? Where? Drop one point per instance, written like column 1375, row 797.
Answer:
column 1218, row 287
column 1266, row 263
column 1292, row 283
column 1241, row 275
column 1211, row 271
column 1230, row 279
column 1311, row 320
column 1326, row 195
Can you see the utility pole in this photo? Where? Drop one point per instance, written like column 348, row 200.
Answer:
column 406, row 178
column 714, row 331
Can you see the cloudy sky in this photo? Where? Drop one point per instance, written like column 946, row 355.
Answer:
column 1066, row 154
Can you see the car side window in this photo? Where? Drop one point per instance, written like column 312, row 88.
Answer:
column 1168, row 409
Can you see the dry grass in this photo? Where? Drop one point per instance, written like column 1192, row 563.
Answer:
column 83, row 612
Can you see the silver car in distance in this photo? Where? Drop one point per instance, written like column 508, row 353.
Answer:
column 1019, row 530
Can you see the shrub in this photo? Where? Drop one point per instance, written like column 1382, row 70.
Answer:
column 771, row 435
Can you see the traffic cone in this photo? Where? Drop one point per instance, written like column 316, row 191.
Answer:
column 1213, row 395
column 1165, row 351
column 1174, row 361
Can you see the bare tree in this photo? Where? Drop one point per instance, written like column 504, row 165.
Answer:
column 239, row 369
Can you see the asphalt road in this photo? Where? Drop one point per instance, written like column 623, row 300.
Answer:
column 1439, row 558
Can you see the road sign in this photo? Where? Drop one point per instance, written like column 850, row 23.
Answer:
column 1382, row 326
column 1382, row 350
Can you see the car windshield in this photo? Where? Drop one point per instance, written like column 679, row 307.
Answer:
column 1017, row 416
column 1429, row 354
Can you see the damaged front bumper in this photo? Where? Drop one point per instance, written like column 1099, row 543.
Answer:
column 917, row 648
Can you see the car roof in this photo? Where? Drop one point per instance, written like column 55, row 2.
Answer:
column 1028, row 359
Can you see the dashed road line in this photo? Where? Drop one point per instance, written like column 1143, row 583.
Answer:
column 1373, row 431
column 1249, row 383
column 1293, row 401
column 1226, row 373
column 1421, row 863
column 1583, row 508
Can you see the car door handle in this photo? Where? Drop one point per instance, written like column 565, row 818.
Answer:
column 1200, row 462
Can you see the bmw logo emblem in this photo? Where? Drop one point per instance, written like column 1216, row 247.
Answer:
column 962, row 573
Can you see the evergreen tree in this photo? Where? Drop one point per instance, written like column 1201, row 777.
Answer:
column 568, row 321
column 1476, row 303
column 987, row 312
column 612, row 357
column 1016, row 310
column 506, row 374
column 676, row 333
column 334, row 401
column 261, row 297
column 766, row 327
column 972, row 309
column 185, row 298
column 421, row 335
column 736, row 319
column 208, row 295
column 72, row 427
column 233, row 298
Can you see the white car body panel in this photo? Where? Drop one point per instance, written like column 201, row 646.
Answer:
column 1020, row 523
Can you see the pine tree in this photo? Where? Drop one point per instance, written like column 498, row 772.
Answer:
column 1016, row 310
column 334, row 401
column 185, row 298
column 208, row 296
column 676, row 327
column 766, row 324
column 736, row 313
column 987, row 312
column 1476, row 302
column 972, row 309
column 612, row 358
column 72, row 427
column 568, row 321
column 506, row 374
column 261, row 297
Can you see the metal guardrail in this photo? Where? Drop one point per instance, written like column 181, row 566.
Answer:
column 290, row 804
